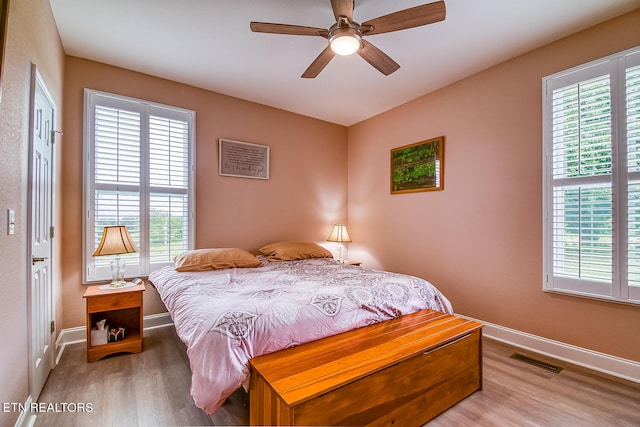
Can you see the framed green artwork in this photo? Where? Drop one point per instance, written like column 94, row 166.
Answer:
column 418, row 167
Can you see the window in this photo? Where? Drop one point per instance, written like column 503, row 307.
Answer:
column 591, row 174
column 139, row 172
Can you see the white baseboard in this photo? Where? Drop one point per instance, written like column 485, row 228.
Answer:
column 26, row 418
column 593, row 360
column 79, row 334
column 69, row 336
column 596, row 361
column 159, row 320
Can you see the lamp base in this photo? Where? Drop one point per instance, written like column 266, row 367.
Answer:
column 112, row 287
column 118, row 266
column 340, row 259
column 117, row 284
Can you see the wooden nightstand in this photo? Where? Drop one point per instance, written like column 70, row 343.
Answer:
column 122, row 308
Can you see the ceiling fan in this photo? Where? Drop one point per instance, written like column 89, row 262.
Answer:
column 346, row 36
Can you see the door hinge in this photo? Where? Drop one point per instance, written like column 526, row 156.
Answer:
column 51, row 232
column 53, row 326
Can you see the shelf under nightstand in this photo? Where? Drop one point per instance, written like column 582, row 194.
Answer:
column 122, row 308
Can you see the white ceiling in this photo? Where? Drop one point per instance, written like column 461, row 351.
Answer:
column 208, row 44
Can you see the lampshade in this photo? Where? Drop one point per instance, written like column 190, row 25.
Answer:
column 339, row 234
column 115, row 241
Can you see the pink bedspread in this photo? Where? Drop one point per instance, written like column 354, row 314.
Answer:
column 226, row 317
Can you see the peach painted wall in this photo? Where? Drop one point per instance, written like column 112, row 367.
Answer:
column 32, row 37
column 480, row 240
column 305, row 195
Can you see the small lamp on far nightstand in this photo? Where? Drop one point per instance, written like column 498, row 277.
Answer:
column 116, row 241
column 339, row 234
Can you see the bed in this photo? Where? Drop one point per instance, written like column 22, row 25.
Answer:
column 226, row 316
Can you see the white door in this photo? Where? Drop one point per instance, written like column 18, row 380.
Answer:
column 41, row 218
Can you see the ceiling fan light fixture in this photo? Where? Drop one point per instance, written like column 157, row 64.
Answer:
column 345, row 42
column 346, row 36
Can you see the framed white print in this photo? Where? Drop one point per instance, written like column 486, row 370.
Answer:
column 243, row 159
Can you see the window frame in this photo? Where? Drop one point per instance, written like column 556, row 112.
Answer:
column 93, row 98
column 618, row 289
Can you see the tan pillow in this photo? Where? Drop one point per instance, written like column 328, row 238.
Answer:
column 215, row 259
column 289, row 251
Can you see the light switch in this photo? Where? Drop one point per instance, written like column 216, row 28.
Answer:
column 11, row 221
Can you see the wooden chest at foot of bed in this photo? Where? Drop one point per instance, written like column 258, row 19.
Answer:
column 400, row 372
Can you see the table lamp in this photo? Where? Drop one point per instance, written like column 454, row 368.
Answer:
column 116, row 241
column 339, row 234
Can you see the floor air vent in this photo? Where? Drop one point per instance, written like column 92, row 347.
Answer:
column 534, row 362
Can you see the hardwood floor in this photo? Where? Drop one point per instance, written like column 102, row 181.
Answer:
column 143, row 389
column 152, row 389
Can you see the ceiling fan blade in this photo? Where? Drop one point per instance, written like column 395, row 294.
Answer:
column 342, row 8
column 295, row 30
column 377, row 58
column 408, row 18
column 319, row 63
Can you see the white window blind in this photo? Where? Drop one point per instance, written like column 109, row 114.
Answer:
column 591, row 188
column 138, row 173
column 632, row 121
